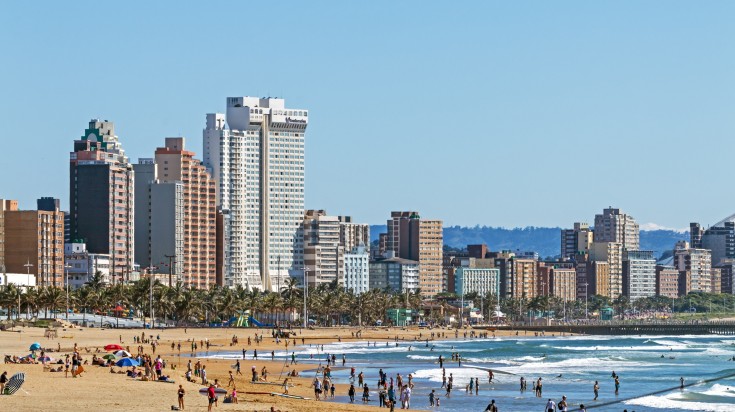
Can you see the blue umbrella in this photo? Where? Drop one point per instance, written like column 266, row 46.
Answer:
column 35, row 346
column 127, row 362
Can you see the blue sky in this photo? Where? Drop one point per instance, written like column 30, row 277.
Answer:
column 502, row 114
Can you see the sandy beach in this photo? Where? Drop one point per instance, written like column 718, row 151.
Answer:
column 98, row 389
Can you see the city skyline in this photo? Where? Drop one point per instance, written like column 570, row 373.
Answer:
column 650, row 84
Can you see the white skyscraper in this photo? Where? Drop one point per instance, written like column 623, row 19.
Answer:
column 256, row 154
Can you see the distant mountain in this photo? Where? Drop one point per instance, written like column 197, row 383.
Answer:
column 544, row 240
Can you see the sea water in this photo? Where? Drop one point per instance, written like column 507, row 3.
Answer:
column 567, row 365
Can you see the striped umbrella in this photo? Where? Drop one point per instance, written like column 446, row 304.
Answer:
column 14, row 383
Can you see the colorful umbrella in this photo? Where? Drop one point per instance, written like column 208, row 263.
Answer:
column 35, row 346
column 109, row 356
column 122, row 354
column 113, row 346
column 127, row 362
column 14, row 383
column 45, row 359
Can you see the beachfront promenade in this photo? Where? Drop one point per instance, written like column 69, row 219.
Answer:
column 629, row 328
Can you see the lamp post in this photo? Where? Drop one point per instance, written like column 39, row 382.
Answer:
column 28, row 267
column 150, row 270
column 306, row 295
column 586, row 313
column 66, row 282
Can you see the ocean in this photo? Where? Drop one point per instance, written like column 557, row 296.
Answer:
column 567, row 365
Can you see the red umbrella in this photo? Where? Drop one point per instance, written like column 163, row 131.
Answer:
column 113, row 347
column 119, row 308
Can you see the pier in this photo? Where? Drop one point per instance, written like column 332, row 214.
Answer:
column 698, row 328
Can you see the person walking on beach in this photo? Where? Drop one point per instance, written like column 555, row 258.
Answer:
column 472, row 386
column 181, row 394
column 681, row 381
column 441, row 361
column 293, row 358
column 365, row 393
column 232, row 380
column 3, row 381
column 477, row 386
column 211, row 397
column 237, row 367
column 432, row 395
column 550, row 406
column 596, row 389
column 490, row 376
column 351, row 393
column 285, row 386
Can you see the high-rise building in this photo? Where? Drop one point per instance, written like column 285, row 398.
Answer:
column 716, row 281
column 719, row 238
column 481, row 281
column 557, row 279
column 357, row 270
column 667, row 281
column 413, row 238
column 393, row 273
column 523, row 278
column 612, row 254
column 639, row 274
column 176, row 164
column 617, row 227
column 575, row 241
column 258, row 163
column 5, row 205
column 159, row 223
column 101, row 200
column 352, row 235
column 34, row 243
column 323, row 253
column 598, row 278
column 727, row 270
column 695, row 268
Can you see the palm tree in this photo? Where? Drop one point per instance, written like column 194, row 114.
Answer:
column 9, row 297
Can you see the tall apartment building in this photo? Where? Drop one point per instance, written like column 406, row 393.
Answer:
column 34, row 243
column 481, row 281
column 323, row 253
column 695, row 268
column 176, row 164
column 101, row 199
column 258, row 163
column 523, row 278
column 4, row 206
column 614, row 226
column 357, row 270
column 727, row 270
column 612, row 254
column 413, row 238
column 558, row 280
column 394, row 273
column 575, row 241
column 159, row 222
column 598, row 278
column 639, row 274
column 667, row 281
column 716, row 281
column 352, row 235
column 719, row 238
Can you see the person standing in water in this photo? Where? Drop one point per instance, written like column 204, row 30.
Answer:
column 596, row 389
column 617, row 384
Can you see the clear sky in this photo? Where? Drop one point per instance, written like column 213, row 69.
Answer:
column 491, row 113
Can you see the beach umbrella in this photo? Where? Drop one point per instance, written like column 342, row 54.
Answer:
column 109, row 356
column 127, row 362
column 14, row 383
column 45, row 359
column 113, row 347
column 123, row 354
column 35, row 346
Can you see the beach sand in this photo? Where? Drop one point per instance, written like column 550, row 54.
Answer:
column 99, row 390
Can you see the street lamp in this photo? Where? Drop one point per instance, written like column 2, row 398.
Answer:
column 28, row 267
column 66, row 281
column 586, row 313
column 306, row 294
column 150, row 270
